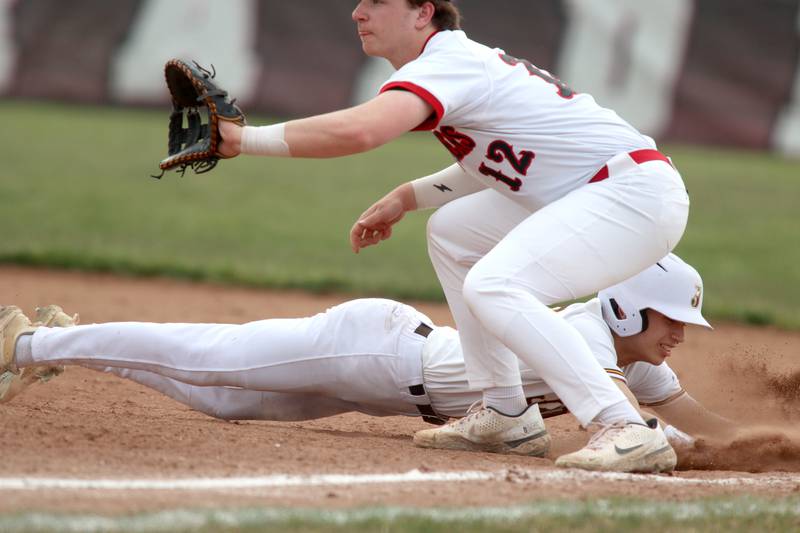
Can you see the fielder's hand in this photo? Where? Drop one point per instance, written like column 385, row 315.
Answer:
column 231, row 134
column 375, row 224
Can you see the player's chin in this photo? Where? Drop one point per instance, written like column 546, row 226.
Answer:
column 370, row 48
column 662, row 354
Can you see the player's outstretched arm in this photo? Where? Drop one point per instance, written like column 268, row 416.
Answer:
column 691, row 416
column 684, row 418
column 345, row 132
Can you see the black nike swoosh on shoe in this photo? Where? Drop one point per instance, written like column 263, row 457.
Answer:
column 625, row 451
column 515, row 443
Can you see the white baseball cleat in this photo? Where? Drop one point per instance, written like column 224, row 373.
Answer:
column 12, row 380
column 52, row 316
column 624, row 447
column 488, row 430
column 13, row 323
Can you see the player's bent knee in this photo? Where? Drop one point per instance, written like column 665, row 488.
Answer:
column 446, row 224
column 479, row 290
column 492, row 296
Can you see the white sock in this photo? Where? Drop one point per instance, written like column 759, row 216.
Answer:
column 508, row 400
column 24, row 352
column 619, row 412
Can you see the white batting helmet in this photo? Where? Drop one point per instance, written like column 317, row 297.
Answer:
column 671, row 287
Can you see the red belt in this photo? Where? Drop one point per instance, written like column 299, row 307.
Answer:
column 639, row 156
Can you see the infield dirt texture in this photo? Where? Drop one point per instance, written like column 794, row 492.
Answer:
column 96, row 445
column 87, row 426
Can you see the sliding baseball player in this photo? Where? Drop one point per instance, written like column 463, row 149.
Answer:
column 373, row 356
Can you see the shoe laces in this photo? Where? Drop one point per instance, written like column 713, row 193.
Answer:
column 476, row 410
column 605, row 433
column 476, row 406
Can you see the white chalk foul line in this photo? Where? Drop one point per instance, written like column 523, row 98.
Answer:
column 774, row 481
column 279, row 480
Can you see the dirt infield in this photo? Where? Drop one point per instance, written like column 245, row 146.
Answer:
column 86, row 425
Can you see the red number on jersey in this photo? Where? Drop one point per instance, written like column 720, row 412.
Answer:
column 513, row 183
column 499, row 150
column 563, row 89
column 459, row 144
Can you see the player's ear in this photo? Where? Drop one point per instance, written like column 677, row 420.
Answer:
column 426, row 12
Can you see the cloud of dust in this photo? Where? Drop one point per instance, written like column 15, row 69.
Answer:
column 772, row 443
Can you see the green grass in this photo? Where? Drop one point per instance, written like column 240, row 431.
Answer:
column 614, row 515
column 75, row 193
column 79, row 196
column 744, row 233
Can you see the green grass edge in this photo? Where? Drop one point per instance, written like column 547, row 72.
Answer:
column 615, row 514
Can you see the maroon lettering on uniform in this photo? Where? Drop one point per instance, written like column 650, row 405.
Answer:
column 563, row 89
column 513, row 183
column 459, row 144
column 500, row 150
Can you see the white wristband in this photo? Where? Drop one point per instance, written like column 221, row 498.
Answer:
column 446, row 185
column 265, row 140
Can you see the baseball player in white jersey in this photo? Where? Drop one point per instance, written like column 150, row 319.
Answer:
column 374, row 356
column 551, row 198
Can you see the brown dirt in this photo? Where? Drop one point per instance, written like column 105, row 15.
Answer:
column 89, row 425
column 756, row 450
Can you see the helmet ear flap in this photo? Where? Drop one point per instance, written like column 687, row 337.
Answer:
column 621, row 314
column 645, row 321
column 618, row 312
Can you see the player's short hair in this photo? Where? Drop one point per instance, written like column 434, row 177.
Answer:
column 447, row 16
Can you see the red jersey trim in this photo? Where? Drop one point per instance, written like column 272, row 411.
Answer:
column 438, row 109
column 426, row 41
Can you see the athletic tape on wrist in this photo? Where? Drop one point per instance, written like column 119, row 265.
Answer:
column 265, row 140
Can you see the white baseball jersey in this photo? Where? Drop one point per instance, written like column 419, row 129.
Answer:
column 511, row 125
column 364, row 355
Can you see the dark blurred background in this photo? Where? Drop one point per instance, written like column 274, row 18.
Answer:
column 719, row 72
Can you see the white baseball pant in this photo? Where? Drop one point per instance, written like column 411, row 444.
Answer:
column 358, row 356
column 501, row 265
